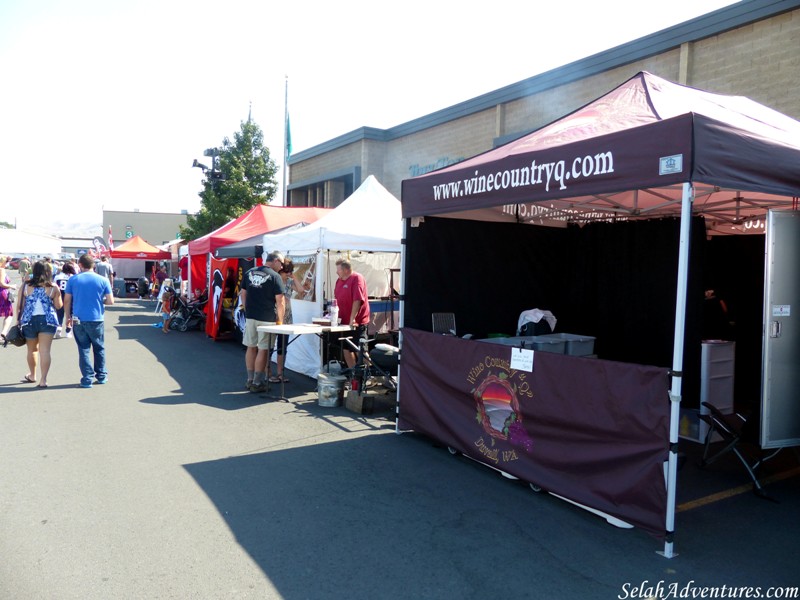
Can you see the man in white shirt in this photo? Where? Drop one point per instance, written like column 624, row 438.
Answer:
column 105, row 269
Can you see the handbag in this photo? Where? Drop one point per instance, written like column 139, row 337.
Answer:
column 14, row 337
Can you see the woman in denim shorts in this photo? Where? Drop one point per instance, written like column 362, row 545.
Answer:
column 39, row 300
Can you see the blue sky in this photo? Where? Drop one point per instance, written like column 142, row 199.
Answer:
column 106, row 104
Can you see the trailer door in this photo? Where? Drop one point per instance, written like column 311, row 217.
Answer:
column 780, row 406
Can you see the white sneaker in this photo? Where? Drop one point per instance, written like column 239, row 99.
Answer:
column 69, row 334
column 58, row 333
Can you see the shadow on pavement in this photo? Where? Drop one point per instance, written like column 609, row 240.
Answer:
column 212, row 373
column 391, row 517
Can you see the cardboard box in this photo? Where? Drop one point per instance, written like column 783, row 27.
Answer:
column 358, row 403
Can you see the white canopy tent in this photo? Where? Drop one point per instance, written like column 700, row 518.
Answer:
column 366, row 228
column 16, row 242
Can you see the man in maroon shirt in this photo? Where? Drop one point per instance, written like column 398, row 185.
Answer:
column 351, row 296
column 183, row 266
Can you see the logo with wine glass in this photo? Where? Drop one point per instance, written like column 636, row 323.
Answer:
column 498, row 410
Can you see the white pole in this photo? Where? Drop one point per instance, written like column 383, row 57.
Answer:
column 677, row 365
column 285, row 139
column 402, row 286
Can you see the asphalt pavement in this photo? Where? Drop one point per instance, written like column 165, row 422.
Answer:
column 172, row 481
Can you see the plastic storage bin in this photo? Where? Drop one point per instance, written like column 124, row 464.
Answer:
column 519, row 341
column 574, row 345
column 546, row 343
column 543, row 343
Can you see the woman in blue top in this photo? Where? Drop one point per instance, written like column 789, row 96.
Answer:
column 38, row 302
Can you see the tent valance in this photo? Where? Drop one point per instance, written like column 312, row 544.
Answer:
column 625, row 155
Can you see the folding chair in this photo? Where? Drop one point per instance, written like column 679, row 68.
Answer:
column 731, row 428
column 444, row 323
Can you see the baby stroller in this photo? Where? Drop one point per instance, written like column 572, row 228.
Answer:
column 186, row 316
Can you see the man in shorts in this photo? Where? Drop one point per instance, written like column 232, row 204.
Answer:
column 262, row 300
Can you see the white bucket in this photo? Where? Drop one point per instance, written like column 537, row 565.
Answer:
column 330, row 389
column 334, row 367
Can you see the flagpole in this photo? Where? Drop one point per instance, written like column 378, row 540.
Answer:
column 285, row 139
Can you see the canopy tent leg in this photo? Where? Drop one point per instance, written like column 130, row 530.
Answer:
column 677, row 366
column 402, row 323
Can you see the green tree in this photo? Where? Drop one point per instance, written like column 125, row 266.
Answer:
column 241, row 176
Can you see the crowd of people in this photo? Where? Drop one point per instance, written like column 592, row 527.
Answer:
column 70, row 302
column 52, row 302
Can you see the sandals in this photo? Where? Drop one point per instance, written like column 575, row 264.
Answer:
column 278, row 379
column 27, row 379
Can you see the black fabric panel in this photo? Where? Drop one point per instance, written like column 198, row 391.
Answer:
column 734, row 267
column 485, row 273
column 614, row 281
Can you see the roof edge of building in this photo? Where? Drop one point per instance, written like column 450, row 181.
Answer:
column 702, row 27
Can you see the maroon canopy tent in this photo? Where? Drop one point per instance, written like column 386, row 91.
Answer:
column 627, row 155
column 649, row 148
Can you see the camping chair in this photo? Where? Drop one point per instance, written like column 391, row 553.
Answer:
column 444, row 323
column 731, row 428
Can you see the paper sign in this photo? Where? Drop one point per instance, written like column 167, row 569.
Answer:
column 522, row 360
column 781, row 310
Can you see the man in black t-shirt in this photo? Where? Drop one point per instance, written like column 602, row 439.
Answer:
column 262, row 300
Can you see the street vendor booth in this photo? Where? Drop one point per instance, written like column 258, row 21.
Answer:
column 614, row 218
column 259, row 220
column 208, row 272
column 134, row 259
column 366, row 229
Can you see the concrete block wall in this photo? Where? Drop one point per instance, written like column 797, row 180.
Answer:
column 760, row 61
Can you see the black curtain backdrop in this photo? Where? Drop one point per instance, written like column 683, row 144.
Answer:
column 613, row 281
column 734, row 268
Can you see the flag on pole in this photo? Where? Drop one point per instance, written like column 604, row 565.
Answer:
column 288, row 137
column 110, row 239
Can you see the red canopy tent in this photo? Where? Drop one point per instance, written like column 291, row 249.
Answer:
column 136, row 247
column 258, row 220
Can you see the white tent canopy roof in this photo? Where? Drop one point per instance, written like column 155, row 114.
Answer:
column 16, row 242
column 369, row 220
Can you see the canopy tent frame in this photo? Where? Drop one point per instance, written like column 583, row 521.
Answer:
column 601, row 207
column 735, row 195
column 368, row 223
